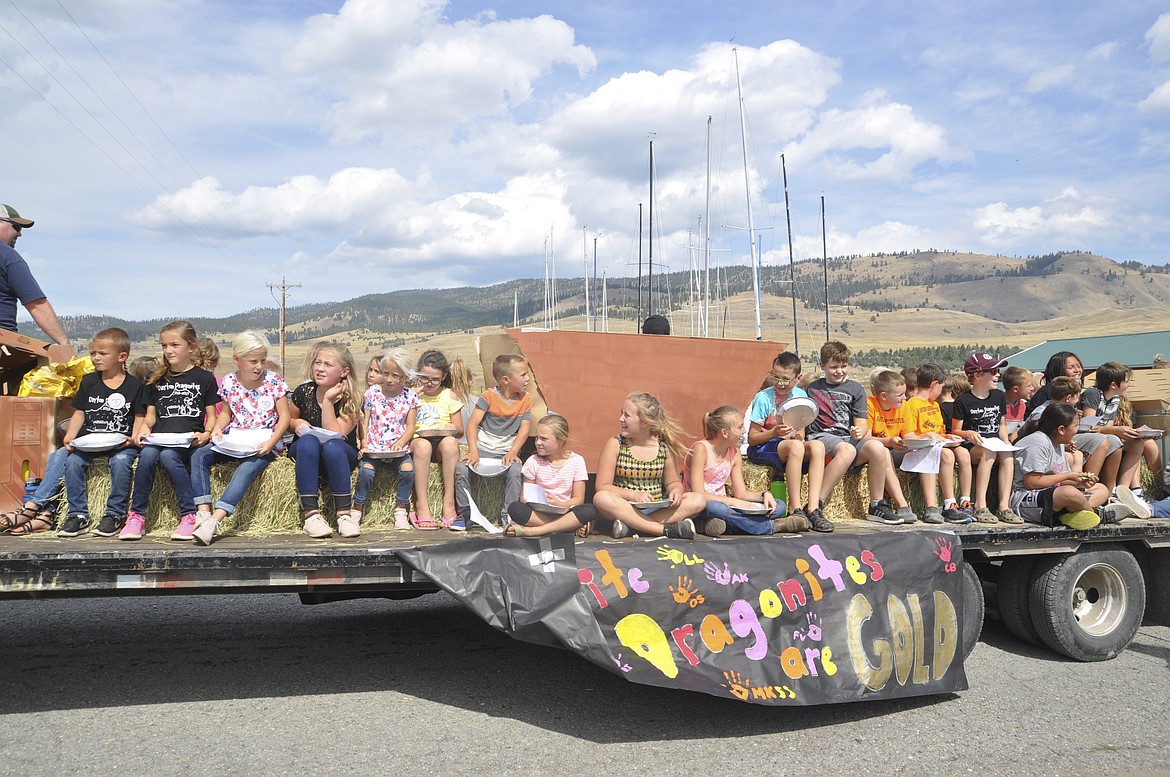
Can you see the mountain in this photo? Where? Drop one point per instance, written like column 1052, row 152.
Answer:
column 921, row 297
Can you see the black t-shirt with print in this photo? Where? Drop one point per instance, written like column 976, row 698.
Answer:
column 107, row 409
column 181, row 401
column 981, row 415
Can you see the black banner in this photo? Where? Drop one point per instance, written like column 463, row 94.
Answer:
column 797, row 620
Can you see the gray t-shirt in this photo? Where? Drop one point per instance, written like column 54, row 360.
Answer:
column 1037, row 453
column 837, row 406
column 1094, row 399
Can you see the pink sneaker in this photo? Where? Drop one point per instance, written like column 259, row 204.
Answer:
column 186, row 528
column 134, row 528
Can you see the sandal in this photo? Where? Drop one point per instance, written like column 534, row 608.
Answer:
column 583, row 532
column 423, row 524
column 40, row 522
column 446, row 522
column 9, row 522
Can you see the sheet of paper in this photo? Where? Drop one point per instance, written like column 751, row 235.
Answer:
column 534, row 494
column 997, row 445
column 477, row 516
column 923, row 459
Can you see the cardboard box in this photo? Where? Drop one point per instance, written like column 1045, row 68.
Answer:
column 27, row 424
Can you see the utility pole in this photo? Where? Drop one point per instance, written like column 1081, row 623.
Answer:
column 284, row 287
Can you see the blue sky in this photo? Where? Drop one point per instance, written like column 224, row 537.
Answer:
column 370, row 146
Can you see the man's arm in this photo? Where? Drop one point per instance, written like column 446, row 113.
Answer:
column 42, row 312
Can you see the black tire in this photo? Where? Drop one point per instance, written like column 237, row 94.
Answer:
column 1089, row 605
column 973, row 609
column 1015, row 606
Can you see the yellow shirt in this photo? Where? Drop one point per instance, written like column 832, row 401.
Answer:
column 885, row 423
column 922, row 416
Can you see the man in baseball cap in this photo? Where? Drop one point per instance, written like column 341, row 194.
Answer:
column 18, row 284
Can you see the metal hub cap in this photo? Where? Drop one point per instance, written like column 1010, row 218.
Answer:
column 1099, row 599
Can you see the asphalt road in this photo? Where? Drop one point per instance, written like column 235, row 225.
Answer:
column 263, row 685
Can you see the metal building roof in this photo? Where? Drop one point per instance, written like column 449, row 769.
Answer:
column 1136, row 351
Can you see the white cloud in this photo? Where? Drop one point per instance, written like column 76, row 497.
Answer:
column 1158, row 38
column 1158, row 101
column 1068, row 216
column 1102, row 51
column 1049, row 77
column 303, row 203
column 888, row 237
column 404, row 73
column 846, row 138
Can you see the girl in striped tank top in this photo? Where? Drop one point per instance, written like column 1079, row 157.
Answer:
column 638, row 465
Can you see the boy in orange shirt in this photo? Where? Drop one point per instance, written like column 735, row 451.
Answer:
column 887, row 417
column 923, row 420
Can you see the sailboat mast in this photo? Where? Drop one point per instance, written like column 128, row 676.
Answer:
column 547, row 305
column 585, row 274
column 825, row 258
column 791, row 261
column 638, row 312
column 707, row 241
column 650, row 258
column 748, row 190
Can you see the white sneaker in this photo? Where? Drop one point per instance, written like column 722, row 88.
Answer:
column 349, row 525
column 401, row 518
column 206, row 530
column 1137, row 505
column 317, row 528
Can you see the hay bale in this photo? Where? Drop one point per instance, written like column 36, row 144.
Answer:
column 270, row 505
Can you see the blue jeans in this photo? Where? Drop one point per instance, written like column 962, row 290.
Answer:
column 336, row 458
column 1161, row 508
column 72, row 466
column 370, row 467
column 176, row 462
column 745, row 524
column 245, row 473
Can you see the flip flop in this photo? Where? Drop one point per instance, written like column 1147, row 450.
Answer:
column 423, row 524
column 446, row 523
column 583, row 532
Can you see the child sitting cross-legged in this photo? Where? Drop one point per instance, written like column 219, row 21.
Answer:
column 561, row 475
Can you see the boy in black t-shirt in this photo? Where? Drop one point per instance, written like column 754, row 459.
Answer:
column 110, row 404
column 979, row 415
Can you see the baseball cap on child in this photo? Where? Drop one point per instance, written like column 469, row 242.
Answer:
column 8, row 212
column 982, row 362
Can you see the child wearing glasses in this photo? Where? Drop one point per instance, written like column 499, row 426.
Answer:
column 781, row 447
column 979, row 415
column 438, row 427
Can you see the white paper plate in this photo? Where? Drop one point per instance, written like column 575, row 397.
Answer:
column 488, row 468
column 385, row 454
column 752, row 510
column 797, row 412
column 319, row 433
column 98, row 442
column 437, row 432
column 550, row 509
column 917, row 443
column 171, row 439
column 651, row 505
column 236, row 451
column 1150, row 434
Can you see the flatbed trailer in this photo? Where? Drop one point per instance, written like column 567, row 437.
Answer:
column 1083, row 593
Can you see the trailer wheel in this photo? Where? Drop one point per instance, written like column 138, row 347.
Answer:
column 1015, row 607
column 1089, row 605
column 973, row 609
